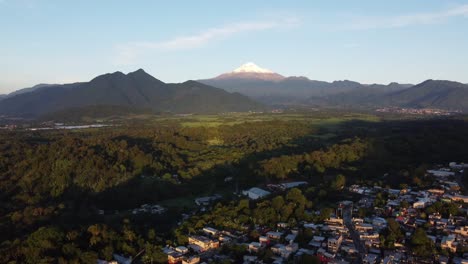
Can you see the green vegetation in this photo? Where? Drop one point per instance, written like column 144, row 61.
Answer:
column 53, row 183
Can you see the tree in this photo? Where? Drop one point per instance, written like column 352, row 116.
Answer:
column 392, row 233
column 421, row 244
column 308, row 259
column 338, row 183
column 277, row 203
column 295, row 196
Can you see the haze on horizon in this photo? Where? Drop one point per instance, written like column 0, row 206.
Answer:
column 46, row 41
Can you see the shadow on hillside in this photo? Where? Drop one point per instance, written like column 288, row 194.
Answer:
column 395, row 145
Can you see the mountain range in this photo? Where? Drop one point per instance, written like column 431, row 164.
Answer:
column 137, row 90
column 247, row 88
column 274, row 89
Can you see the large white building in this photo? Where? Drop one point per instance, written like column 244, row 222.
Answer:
column 255, row 193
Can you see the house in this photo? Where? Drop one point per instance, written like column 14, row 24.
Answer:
column 254, row 247
column 203, row 243
column 191, row 260
column 436, row 191
column 369, row 235
column 285, row 250
column 274, row 235
column 224, row 239
column 370, row 259
column 290, row 237
column 461, row 230
column 334, row 244
column 181, row 249
column 312, row 226
column 210, row 231
column 264, row 240
column 277, row 248
column 207, row 200
column 448, row 242
column 255, row 193
column 458, row 198
column 379, row 222
column 317, row 241
column 334, row 221
column 421, row 203
column 364, row 227
column 174, row 257
column 282, row 225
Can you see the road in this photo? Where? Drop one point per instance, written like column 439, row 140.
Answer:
column 358, row 244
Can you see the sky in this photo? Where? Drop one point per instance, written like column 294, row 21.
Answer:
column 370, row 41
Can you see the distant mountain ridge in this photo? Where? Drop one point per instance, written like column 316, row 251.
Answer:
column 273, row 88
column 237, row 91
column 134, row 90
column 433, row 94
column 438, row 94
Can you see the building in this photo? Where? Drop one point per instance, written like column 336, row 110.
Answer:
column 460, row 198
column 174, row 257
column 289, row 185
column 254, row 247
column 455, row 166
column 421, row 203
column 448, row 242
column 441, row 173
column 210, row 231
column 203, row 243
column 274, row 235
column 206, row 200
column 461, row 230
column 317, row 241
column 334, row 221
column 370, row 259
column 334, row 244
column 285, row 250
column 264, row 240
column 182, row 249
column 255, row 193
column 191, row 260
column 379, row 222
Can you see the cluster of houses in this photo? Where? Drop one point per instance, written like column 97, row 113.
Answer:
column 206, row 244
column 200, row 246
column 345, row 237
column 447, row 232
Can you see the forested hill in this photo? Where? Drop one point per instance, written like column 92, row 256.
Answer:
column 133, row 90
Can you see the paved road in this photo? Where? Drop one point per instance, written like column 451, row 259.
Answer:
column 358, row 244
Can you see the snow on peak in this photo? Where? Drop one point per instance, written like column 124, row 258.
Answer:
column 251, row 67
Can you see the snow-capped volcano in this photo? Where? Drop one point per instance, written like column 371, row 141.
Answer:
column 251, row 67
column 250, row 71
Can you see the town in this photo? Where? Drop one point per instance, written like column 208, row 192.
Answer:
column 382, row 225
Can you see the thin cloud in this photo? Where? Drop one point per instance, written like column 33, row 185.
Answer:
column 409, row 20
column 128, row 53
